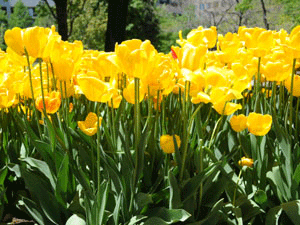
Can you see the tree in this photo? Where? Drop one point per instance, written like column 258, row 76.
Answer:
column 44, row 17
column 116, row 24
column 20, row 16
column 90, row 26
column 291, row 10
column 3, row 27
column 65, row 14
column 142, row 21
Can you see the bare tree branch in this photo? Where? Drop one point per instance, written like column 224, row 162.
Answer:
column 51, row 11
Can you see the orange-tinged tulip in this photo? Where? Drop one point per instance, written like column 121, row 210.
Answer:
column 246, row 162
column 52, row 102
column 14, row 39
column 259, row 124
column 90, row 125
column 238, row 123
column 167, row 143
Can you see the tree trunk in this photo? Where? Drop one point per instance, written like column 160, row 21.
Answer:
column 264, row 14
column 116, row 24
column 61, row 12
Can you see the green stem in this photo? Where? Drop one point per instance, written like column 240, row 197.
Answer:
column 32, row 93
column 237, row 184
column 185, row 128
column 291, row 96
column 215, row 131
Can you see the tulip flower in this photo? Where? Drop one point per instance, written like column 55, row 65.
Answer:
column 167, row 143
column 238, row 123
column 246, row 162
column 52, row 102
column 259, row 124
column 90, row 125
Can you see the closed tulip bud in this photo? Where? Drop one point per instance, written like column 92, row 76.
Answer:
column 246, row 162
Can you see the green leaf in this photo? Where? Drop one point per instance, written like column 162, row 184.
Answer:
column 42, row 167
column 136, row 219
column 76, row 219
column 175, row 198
column 296, row 175
column 32, row 208
column 282, row 137
column 3, row 173
column 143, row 199
column 155, row 221
column 61, row 188
column 273, row 216
column 41, row 190
column 191, row 187
column 102, row 199
column 214, row 214
column 292, row 209
column 169, row 215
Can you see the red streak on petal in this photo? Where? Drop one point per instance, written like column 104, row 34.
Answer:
column 174, row 54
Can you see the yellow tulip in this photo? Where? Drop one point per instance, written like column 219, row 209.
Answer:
column 296, row 85
column 35, row 40
column 226, row 108
column 238, row 123
column 90, row 125
column 129, row 92
column 276, row 71
column 7, row 98
column 246, row 162
column 14, row 39
column 259, row 124
column 94, row 88
column 167, row 143
column 201, row 36
column 192, row 58
column 64, row 57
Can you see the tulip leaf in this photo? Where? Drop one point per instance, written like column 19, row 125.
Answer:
column 191, row 187
column 156, row 221
column 292, row 209
column 296, row 175
column 42, row 167
column 273, row 215
column 62, row 183
column 169, row 216
column 33, row 210
column 40, row 189
column 175, row 201
column 76, row 219
column 282, row 137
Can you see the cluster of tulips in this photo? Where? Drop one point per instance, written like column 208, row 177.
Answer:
column 208, row 67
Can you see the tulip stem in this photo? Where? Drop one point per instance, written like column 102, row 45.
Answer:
column 185, row 127
column 291, row 96
column 236, row 186
column 32, row 93
column 42, row 87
